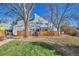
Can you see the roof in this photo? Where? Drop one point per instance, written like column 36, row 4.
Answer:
column 40, row 19
column 37, row 19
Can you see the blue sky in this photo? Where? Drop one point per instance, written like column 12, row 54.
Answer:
column 39, row 8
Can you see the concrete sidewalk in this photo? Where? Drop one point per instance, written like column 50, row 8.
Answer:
column 5, row 41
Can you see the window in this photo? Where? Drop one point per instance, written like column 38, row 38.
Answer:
column 38, row 30
column 46, row 30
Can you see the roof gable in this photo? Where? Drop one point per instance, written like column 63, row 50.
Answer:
column 39, row 19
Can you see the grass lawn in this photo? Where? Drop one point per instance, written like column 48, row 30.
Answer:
column 24, row 48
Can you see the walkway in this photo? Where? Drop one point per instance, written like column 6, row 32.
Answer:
column 5, row 41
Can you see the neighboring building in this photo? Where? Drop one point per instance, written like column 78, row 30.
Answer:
column 38, row 23
column 18, row 27
column 7, row 25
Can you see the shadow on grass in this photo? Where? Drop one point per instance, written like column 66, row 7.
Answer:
column 47, row 46
column 64, row 49
column 44, row 45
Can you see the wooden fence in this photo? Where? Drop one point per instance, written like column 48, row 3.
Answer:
column 46, row 33
column 2, row 35
column 21, row 34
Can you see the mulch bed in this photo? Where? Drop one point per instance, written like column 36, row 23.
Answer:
column 68, row 50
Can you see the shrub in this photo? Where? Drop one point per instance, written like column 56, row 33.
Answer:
column 72, row 33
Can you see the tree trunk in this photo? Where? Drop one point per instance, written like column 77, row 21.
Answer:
column 26, row 17
column 26, row 28
column 58, row 29
column 25, row 20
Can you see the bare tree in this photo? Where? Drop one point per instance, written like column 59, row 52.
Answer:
column 58, row 14
column 23, row 11
column 75, row 15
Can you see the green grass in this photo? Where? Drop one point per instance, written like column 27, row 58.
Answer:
column 23, row 48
